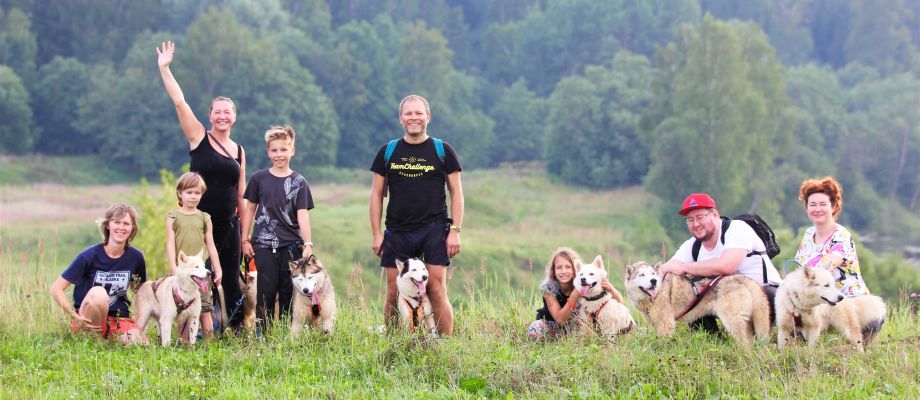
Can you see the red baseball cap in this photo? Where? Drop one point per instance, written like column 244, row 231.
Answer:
column 697, row 200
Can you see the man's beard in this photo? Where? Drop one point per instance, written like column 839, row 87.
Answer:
column 707, row 236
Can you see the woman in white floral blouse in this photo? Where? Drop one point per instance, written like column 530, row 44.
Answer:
column 828, row 244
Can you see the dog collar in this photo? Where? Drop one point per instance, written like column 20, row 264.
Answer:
column 598, row 297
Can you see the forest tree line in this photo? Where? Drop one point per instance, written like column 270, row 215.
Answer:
column 739, row 99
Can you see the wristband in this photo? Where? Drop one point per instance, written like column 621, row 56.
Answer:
column 571, row 304
column 308, row 243
column 455, row 227
column 244, row 241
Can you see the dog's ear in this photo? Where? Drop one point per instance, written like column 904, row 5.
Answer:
column 628, row 271
column 200, row 254
column 182, row 257
column 598, row 262
column 402, row 266
column 657, row 265
column 293, row 265
column 809, row 273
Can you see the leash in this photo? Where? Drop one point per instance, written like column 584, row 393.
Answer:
column 786, row 263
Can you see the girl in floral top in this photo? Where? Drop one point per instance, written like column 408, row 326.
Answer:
column 828, row 244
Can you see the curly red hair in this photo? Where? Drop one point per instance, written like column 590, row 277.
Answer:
column 827, row 185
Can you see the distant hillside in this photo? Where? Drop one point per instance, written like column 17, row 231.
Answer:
column 71, row 170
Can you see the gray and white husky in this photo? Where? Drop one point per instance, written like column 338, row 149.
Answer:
column 314, row 296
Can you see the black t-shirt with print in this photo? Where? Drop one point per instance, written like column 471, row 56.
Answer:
column 279, row 198
column 416, row 183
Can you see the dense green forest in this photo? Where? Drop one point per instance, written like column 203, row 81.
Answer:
column 740, row 99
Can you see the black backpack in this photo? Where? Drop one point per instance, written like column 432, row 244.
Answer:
column 762, row 230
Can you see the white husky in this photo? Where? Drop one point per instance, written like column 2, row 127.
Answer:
column 600, row 309
column 413, row 305
column 809, row 302
column 174, row 298
column 314, row 296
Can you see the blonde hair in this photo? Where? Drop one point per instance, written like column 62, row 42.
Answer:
column 221, row 98
column 279, row 133
column 187, row 181
column 117, row 211
column 416, row 98
column 550, row 283
column 827, row 185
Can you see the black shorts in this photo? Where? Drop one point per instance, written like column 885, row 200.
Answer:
column 429, row 243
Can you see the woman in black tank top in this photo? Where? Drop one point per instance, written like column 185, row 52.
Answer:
column 222, row 164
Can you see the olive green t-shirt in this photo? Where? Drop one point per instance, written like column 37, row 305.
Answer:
column 190, row 230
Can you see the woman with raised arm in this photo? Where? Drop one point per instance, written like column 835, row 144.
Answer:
column 222, row 164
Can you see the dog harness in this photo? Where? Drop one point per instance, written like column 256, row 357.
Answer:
column 416, row 312
column 598, row 311
column 181, row 305
column 699, row 293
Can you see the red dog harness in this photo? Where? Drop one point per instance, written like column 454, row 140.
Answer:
column 181, row 305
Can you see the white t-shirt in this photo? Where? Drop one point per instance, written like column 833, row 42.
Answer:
column 740, row 235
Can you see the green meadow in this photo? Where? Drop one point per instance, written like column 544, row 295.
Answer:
column 514, row 219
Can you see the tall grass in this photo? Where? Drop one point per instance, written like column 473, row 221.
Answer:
column 490, row 356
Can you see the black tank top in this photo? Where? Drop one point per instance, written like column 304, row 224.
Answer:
column 221, row 174
column 544, row 313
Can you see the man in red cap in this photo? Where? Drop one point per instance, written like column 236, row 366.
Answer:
column 733, row 253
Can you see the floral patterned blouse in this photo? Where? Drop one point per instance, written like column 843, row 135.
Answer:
column 811, row 254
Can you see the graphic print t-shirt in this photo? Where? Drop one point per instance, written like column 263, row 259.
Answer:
column 93, row 267
column 279, row 199
column 415, row 180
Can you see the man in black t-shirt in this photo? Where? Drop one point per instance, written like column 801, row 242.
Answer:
column 417, row 222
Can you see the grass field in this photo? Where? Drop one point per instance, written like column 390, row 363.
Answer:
column 514, row 221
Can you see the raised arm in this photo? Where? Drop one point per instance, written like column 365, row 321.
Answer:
column 193, row 129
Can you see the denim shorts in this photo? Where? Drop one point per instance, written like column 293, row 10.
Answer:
column 429, row 243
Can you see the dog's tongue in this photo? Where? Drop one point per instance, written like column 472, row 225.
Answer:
column 652, row 292
column 314, row 297
column 201, row 284
column 583, row 290
column 420, row 286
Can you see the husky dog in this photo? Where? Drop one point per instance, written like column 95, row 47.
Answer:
column 737, row 301
column 413, row 305
column 809, row 302
column 314, row 297
column 174, row 298
column 600, row 309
